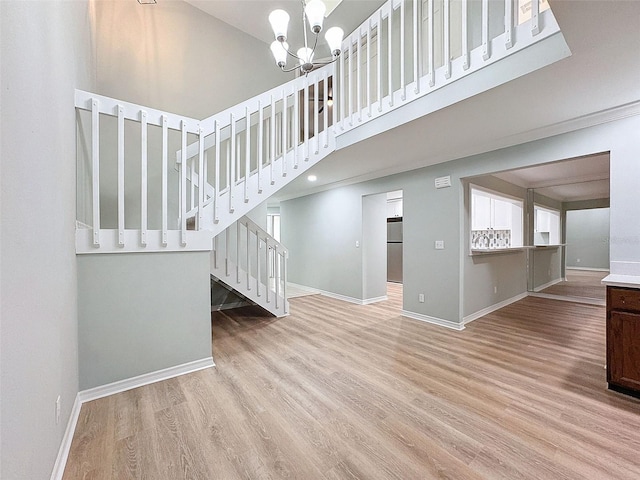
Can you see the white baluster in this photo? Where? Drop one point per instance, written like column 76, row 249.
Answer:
column 351, row 81
column 260, row 144
column 257, row 264
column 403, row 83
column 227, row 243
column 95, row 170
column 296, row 126
column 165, row 173
column 284, row 133
column 143, row 178
column 201, row 179
column 535, row 17
column 389, row 53
column 465, row 33
column 305, row 110
column 276, row 275
column 248, row 259
column 120, row 176
column 238, row 225
column 416, row 47
column 183, row 184
column 325, row 109
column 485, row 30
column 342, row 92
column 316, row 109
column 216, row 131
column 508, row 24
column 359, row 76
column 369, row 68
column 447, row 40
column 247, row 160
column 231, row 167
column 284, row 282
column 430, row 53
column 379, row 61
column 272, row 132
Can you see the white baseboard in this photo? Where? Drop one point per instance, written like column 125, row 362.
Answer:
column 433, row 320
column 145, row 379
column 111, row 389
column 588, row 269
column 548, row 284
column 567, row 298
column 368, row 301
column 339, row 296
column 303, row 288
column 65, row 445
column 492, row 308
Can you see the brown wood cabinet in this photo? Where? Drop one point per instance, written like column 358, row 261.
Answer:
column 623, row 340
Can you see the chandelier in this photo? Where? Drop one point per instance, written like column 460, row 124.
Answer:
column 313, row 11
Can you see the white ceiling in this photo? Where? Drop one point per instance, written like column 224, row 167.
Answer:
column 251, row 16
column 601, row 74
column 584, row 178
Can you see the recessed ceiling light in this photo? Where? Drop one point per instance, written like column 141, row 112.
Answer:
column 312, row 178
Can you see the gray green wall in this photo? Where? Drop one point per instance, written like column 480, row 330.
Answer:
column 374, row 246
column 47, row 51
column 506, row 272
column 588, row 238
column 141, row 312
column 321, row 229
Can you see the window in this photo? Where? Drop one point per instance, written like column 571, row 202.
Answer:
column 496, row 220
column 546, row 226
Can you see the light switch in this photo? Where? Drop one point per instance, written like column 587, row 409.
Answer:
column 439, row 244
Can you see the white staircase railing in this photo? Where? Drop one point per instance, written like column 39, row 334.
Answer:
column 226, row 164
column 410, row 48
column 252, row 262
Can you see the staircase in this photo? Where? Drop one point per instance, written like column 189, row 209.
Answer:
column 153, row 181
column 253, row 263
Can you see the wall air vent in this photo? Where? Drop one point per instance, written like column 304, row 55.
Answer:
column 443, row 182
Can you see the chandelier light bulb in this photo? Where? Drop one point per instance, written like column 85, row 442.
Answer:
column 279, row 20
column 279, row 50
column 334, row 39
column 305, row 55
column 315, row 11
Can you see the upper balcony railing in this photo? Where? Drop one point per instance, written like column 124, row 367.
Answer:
column 410, row 48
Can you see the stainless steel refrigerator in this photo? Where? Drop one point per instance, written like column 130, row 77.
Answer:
column 394, row 249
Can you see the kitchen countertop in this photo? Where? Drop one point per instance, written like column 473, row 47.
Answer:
column 627, row 281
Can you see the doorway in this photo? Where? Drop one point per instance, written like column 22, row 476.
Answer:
column 382, row 247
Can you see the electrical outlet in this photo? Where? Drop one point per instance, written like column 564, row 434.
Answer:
column 58, row 401
column 439, row 244
column 357, row 244
column 421, row 297
column 495, row 289
column 577, row 260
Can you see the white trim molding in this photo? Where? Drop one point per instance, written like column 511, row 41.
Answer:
column 338, row 296
column 144, row 379
column 368, row 301
column 67, row 438
column 112, row 389
column 567, row 298
column 588, row 269
column 492, row 308
column 549, row 284
column 433, row 320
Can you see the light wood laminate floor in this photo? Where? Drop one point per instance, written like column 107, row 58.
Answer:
column 341, row 391
column 580, row 284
